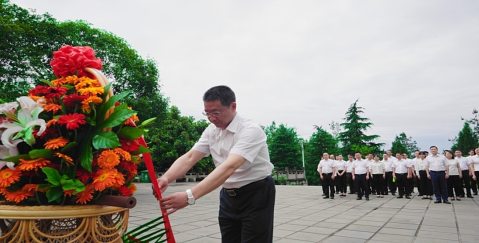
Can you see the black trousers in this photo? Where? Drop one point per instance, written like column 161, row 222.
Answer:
column 352, row 187
column 361, row 185
column 474, row 183
column 379, row 185
column 390, row 183
column 248, row 216
column 328, row 185
column 409, row 185
column 341, row 182
column 426, row 184
column 453, row 186
column 465, row 183
column 401, row 180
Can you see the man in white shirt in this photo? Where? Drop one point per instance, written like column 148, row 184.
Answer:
column 326, row 170
column 465, row 180
column 471, row 172
column 391, row 182
column 475, row 167
column 360, row 175
column 240, row 153
column 438, row 171
column 410, row 178
column 401, row 172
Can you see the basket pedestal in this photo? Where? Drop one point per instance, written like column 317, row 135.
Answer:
column 55, row 224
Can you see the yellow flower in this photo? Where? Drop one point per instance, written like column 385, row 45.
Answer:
column 86, row 103
column 91, row 91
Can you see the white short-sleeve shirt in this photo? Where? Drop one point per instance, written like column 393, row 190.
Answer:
column 452, row 163
column 436, row 163
column 349, row 166
column 327, row 166
column 475, row 161
column 400, row 166
column 360, row 166
column 463, row 162
column 340, row 164
column 377, row 167
column 242, row 137
column 387, row 165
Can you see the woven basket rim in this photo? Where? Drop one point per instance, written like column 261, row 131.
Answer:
column 56, row 211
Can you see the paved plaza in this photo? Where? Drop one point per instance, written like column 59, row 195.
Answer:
column 301, row 215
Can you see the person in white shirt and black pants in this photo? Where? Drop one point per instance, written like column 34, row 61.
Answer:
column 465, row 183
column 438, row 171
column 361, row 176
column 341, row 180
column 378, row 174
column 426, row 184
column 401, row 172
column 326, row 170
column 455, row 174
column 349, row 170
column 475, row 169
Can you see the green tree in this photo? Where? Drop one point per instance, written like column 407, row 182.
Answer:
column 354, row 128
column 270, row 131
column 404, row 144
column 465, row 140
column 285, row 150
column 398, row 146
column 28, row 42
column 320, row 142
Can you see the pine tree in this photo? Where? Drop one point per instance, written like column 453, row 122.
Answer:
column 466, row 139
column 404, row 144
column 354, row 128
column 320, row 142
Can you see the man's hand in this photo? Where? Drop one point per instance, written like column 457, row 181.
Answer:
column 447, row 176
column 367, row 177
column 419, row 177
column 162, row 183
column 428, row 176
column 174, row 202
column 321, row 175
column 332, row 177
column 353, row 177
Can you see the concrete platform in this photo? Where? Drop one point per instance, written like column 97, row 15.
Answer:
column 301, row 215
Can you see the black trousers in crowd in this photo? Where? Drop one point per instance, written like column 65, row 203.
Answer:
column 401, row 180
column 341, row 182
column 466, row 183
column 246, row 214
column 453, row 186
column 409, row 185
column 362, row 186
column 379, row 185
column 391, row 185
column 328, row 185
column 426, row 184
column 352, row 187
column 474, row 183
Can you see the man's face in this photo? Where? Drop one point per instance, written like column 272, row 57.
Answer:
column 477, row 150
column 404, row 156
column 416, row 154
column 458, row 153
column 340, row 157
column 385, row 156
column 471, row 153
column 350, row 157
column 227, row 113
column 398, row 156
column 370, row 156
column 325, row 156
column 331, row 156
column 434, row 151
column 389, row 153
column 357, row 156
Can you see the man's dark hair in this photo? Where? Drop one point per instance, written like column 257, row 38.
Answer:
column 222, row 93
column 432, row 147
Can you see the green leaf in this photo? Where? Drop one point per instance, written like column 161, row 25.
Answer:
column 44, row 186
column 141, row 150
column 130, row 133
column 121, row 107
column 110, row 103
column 90, row 121
column 69, row 147
column 54, row 193
column 41, row 153
column 72, row 184
column 146, row 122
column 116, row 118
column 86, row 155
column 105, row 140
column 16, row 159
column 53, row 176
column 47, row 82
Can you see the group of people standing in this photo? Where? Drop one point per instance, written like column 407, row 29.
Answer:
column 445, row 176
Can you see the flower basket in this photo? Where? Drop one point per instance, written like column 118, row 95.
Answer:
column 55, row 224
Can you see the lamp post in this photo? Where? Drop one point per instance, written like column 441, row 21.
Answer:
column 301, row 141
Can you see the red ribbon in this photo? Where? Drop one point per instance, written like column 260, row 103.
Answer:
column 170, row 238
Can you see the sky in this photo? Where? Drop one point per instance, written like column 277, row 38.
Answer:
column 412, row 65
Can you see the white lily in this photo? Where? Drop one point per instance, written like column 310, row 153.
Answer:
column 8, row 107
column 23, row 123
column 8, row 152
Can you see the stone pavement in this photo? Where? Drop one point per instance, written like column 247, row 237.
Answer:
column 301, row 215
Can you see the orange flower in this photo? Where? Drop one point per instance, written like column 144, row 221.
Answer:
column 86, row 103
column 33, row 164
column 59, row 82
column 16, row 196
column 86, row 195
column 104, row 179
column 67, row 158
column 108, row 159
column 34, row 97
column 51, row 122
column 119, row 180
column 68, row 192
column 91, row 91
column 85, row 82
column 55, row 143
column 72, row 79
column 30, row 187
column 9, row 176
column 124, row 155
column 52, row 107
column 133, row 188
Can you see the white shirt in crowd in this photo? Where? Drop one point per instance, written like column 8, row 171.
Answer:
column 326, row 165
column 244, row 138
column 360, row 167
column 401, row 166
column 419, row 165
column 340, row 164
column 349, row 166
column 463, row 162
column 387, row 165
column 453, row 170
column 436, row 163
column 377, row 168
column 475, row 161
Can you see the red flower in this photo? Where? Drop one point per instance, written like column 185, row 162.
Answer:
column 73, row 121
column 68, row 60
column 56, row 92
column 40, row 90
column 130, row 145
column 72, row 100
column 83, row 175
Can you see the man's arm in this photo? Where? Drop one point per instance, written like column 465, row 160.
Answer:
column 182, row 165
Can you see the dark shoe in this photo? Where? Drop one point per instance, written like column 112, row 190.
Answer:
column 475, row 194
column 458, row 199
column 447, row 202
column 470, row 196
column 408, row 197
column 358, row 198
column 430, row 198
column 332, row 197
column 393, row 193
column 419, row 194
column 337, row 192
column 424, row 198
column 452, row 199
column 325, row 197
column 367, row 199
column 437, row 201
column 400, row 197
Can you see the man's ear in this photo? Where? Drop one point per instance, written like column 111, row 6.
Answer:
column 233, row 106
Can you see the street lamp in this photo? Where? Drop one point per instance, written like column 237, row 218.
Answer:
column 301, row 141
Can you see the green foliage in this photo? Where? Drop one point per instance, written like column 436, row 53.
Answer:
column 404, row 144
column 152, row 231
column 354, row 128
column 281, row 180
column 320, row 142
column 465, row 140
column 284, row 148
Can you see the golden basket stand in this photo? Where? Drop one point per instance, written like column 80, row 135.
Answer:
column 61, row 224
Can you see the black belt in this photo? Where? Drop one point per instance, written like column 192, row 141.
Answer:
column 251, row 186
column 400, row 173
column 438, row 171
